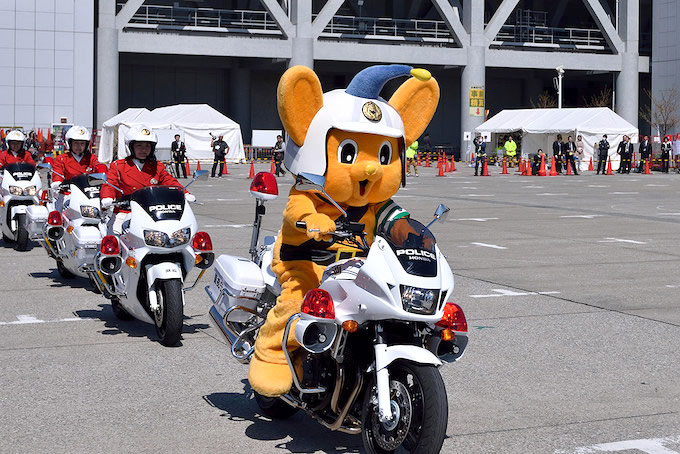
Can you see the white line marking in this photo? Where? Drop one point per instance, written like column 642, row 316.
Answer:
column 468, row 187
column 619, row 240
column 623, row 193
column 669, row 214
column 235, row 226
column 649, row 446
column 533, row 187
column 553, row 193
column 492, row 246
column 480, row 195
column 228, row 200
column 31, row 320
column 584, row 216
column 477, row 219
column 656, row 185
column 402, row 196
column 673, row 286
column 598, row 186
column 505, row 292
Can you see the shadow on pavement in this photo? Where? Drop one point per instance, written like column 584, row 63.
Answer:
column 306, row 435
column 59, row 281
column 133, row 328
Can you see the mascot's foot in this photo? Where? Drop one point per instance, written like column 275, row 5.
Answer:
column 269, row 379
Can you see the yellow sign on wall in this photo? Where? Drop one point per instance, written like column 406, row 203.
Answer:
column 476, row 101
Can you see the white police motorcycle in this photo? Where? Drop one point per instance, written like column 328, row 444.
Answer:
column 143, row 271
column 19, row 190
column 372, row 335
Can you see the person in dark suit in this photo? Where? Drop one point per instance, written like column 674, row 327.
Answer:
column 570, row 150
column 558, row 153
column 279, row 150
column 625, row 150
column 179, row 151
column 603, row 147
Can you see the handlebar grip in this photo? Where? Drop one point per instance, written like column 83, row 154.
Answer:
column 301, row 225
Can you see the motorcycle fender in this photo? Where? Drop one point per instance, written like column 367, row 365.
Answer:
column 163, row 271
column 18, row 209
column 386, row 355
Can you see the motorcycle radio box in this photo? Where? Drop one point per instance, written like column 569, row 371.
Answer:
column 237, row 282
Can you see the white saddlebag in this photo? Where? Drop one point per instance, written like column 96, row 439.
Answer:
column 36, row 216
column 237, row 282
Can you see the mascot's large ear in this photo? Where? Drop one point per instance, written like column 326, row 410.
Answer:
column 299, row 98
column 416, row 102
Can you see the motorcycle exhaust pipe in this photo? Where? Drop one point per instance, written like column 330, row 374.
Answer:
column 219, row 323
column 54, row 233
column 315, row 336
column 110, row 264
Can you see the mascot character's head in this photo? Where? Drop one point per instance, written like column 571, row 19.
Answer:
column 353, row 137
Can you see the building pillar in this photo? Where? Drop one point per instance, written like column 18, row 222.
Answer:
column 239, row 101
column 628, row 80
column 107, row 62
column 302, row 44
column 474, row 73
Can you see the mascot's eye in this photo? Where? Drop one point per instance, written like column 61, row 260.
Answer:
column 347, row 151
column 385, row 153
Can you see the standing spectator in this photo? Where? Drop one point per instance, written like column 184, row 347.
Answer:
column 558, row 152
column 480, row 153
column 625, row 150
column 279, row 151
column 570, row 149
column 32, row 144
column 411, row 158
column 220, row 149
column 666, row 149
column 536, row 166
column 603, row 147
column 510, row 151
column 179, row 155
column 427, row 144
column 645, row 153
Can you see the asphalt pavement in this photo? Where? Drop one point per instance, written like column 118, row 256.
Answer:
column 569, row 285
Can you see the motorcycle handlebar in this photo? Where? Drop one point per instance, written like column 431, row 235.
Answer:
column 343, row 229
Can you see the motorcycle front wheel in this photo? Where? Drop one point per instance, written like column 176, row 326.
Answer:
column 22, row 232
column 169, row 317
column 420, row 410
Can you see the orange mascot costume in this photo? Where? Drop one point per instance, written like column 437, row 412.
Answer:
column 357, row 140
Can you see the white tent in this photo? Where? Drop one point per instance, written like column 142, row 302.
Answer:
column 197, row 121
column 539, row 127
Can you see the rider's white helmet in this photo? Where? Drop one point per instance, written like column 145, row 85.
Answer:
column 140, row 133
column 16, row 136
column 78, row 133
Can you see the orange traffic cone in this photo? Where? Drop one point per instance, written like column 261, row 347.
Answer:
column 40, row 135
column 440, row 168
column 272, row 168
column 590, row 166
column 568, row 168
column 647, row 172
column 609, row 166
column 505, row 168
column 252, row 169
column 225, row 171
column 418, row 160
column 520, row 167
column 186, row 165
column 453, row 163
column 198, row 164
column 485, row 171
column 427, row 160
column 541, row 171
column 553, row 170
column 448, row 165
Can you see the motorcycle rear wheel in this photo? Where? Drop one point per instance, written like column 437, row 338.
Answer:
column 170, row 317
column 418, row 397
column 22, row 232
column 63, row 272
column 119, row 311
column 273, row 407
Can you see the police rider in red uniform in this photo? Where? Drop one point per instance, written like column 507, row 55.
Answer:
column 139, row 170
column 16, row 151
column 77, row 160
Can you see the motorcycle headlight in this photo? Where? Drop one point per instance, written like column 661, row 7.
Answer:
column 419, row 300
column 30, row 191
column 180, row 236
column 88, row 211
column 156, row 238
column 16, row 190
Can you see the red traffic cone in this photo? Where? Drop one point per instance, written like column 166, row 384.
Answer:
column 198, row 164
column 541, row 171
column 505, row 168
column 520, row 167
column 272, row 168
column 609, row 166
column 418, row 160
column 553, row 170
column 453, row 163
column 427, row 160
column 485, row 171
column 252, row 169
column 568, row 168
column 225, row 171
column 448, row 165
column 590, row 166
column 188, row 169
column 647, row 172
column 440, row 168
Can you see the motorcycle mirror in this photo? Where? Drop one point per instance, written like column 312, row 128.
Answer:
column 311, row 182
column 440, row 214
column 96, row 179
column 201, row 174
column 46, row 165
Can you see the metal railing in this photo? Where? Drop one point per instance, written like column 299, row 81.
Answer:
column 577, row 38
column 386, row 28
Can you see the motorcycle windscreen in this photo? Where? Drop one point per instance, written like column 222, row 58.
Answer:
column 82, row 182
column 161, row 202
column 20, row 171
column 413, row 244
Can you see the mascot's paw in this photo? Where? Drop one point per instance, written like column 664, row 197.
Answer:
column 322, row 223
column 269, row 379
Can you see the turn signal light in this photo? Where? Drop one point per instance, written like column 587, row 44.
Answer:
column 202, row 241
column 446, row 335
column 131, row 262
column 69, row 229
column 350, row 326
column 109, row 245
column 318, row 303
column 54, row 218
column 44, row 195
column 453, row 319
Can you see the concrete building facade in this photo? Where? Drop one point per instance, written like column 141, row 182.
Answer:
column 666, row 51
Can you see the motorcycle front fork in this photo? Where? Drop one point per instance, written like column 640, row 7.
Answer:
column 382, row 377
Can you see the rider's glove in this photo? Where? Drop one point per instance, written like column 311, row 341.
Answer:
column 106, row 203
column 319, row 227
column 190, row 197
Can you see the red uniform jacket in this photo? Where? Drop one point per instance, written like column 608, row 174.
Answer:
column 8, row 158
column 67, row 165
column 125, row 175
